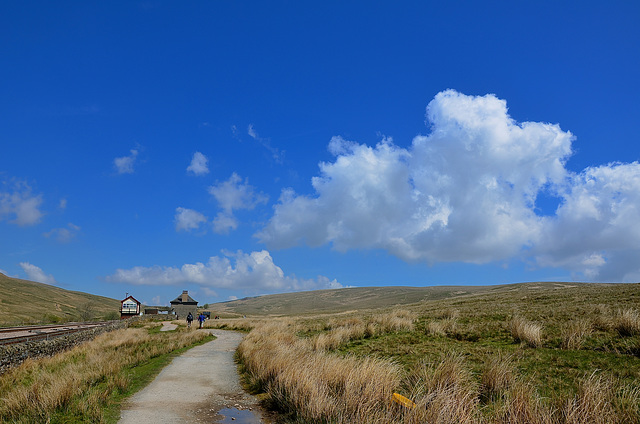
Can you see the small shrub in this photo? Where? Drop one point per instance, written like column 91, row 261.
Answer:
column 53, row 319
column 111, row 316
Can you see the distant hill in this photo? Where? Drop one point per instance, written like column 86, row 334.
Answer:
column 340, row 300
column 362, row 298
column 24, row 302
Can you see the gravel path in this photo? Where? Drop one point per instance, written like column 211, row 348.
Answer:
column 195, row 387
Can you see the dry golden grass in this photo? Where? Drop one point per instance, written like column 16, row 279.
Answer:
column 527, row 332
column 498, row 376
column 523, row 405
column 575, row 333
column 627, row 322
column 296, row 364
column 316, row 386
column 397, row 320
column 602, row 320
column 449, row 314
column 445, row 392
column 82, row 378
column 441, row 328
column 343, row 330
column 593, row 403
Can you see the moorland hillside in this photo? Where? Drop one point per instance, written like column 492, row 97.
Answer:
column 28, row 302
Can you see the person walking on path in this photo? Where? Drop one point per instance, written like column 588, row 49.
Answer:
column 201, row 319
column 189, row 320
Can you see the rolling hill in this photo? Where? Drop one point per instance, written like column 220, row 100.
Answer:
column 24, row 302
column 342, row 300
column 360, row 298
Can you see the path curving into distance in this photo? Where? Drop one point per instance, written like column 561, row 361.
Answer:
column 199, row 386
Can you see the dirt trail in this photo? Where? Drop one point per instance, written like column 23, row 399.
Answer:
column 195, row 387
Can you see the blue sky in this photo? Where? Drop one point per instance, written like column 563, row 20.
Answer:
column 241, row 148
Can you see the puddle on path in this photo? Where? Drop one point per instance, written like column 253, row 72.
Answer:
column 237, row 416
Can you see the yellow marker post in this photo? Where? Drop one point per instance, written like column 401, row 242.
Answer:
column 401, row 400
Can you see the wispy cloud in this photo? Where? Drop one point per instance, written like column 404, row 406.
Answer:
column 198, row 164
column 35, row 273
column 19, row 204
column 276, row 154
column 63, row 235
column 125, row 164
column 253, row 272
column 232, row 195
column 252, row 132
column 468, row 192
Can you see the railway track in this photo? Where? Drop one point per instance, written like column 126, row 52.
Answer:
column 28, row 333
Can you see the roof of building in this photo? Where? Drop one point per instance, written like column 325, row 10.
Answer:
column 132, row 298
column 184, row 299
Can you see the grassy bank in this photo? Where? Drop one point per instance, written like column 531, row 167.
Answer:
column 558, row 354
column 25, row 302
column 87, row 383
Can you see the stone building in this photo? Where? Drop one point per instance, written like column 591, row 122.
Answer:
column 184, row 304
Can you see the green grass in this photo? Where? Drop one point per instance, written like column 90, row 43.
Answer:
column 336, row 301
column 480, row 331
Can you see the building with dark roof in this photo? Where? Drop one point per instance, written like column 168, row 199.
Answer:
column 184, row 304
column 129, row 307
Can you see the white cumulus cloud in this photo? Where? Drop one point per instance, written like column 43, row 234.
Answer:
column 253, row 272
column 188, row 219
column 231, row 195
column 224, row 222
column 198, row 164
column 467, row 192
column 595, row 231
column 19, row 204
column 124, row 165
column 35, row 273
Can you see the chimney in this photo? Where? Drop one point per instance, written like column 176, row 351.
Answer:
column 185, row 295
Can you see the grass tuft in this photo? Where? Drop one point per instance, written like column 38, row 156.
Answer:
column 523, row 331
column 627, row 322
column 575, row 333
column 498, row 376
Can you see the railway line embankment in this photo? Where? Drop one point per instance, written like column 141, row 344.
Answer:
column 45, row 341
